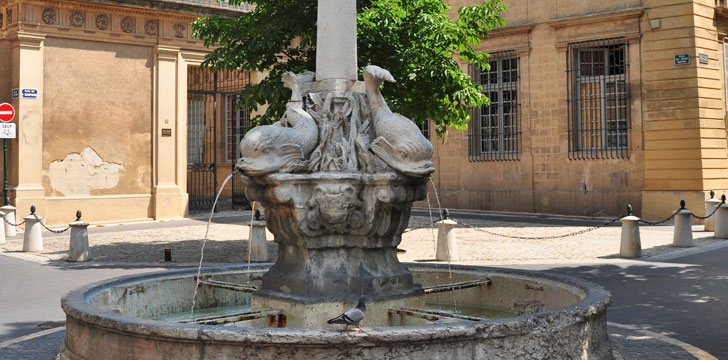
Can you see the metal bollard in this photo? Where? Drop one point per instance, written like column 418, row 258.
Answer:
column 630, row 245
column 710, row 206
column 33, row 236
column 447, row 248
column 9, row 217
column 78, row 249
column 721, row 220
column 257, row 242
column 683, row 235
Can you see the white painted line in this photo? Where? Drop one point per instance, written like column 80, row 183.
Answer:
column 7, row 343
column 699, row 354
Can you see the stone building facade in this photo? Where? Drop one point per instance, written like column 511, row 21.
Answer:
column 595, row 104
column 108, row 132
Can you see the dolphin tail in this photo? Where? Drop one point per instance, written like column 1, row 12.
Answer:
column 378, row 73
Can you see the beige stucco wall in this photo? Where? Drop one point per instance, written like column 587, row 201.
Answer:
column 97, row 95
column 94, row 140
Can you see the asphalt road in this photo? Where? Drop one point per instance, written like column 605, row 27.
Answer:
column 686, row 298
column 30, row 293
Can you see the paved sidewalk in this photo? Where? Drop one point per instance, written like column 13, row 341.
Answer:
column 481, row 241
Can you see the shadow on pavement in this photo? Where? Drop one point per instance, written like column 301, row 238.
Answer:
column 682, row 300
column 185, row 253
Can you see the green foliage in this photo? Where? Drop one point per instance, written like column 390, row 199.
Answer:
column 415, row 40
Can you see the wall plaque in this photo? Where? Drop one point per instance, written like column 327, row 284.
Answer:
column 682, row 59
column 166, row 132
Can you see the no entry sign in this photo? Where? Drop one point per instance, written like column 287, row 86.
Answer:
column 7, row 112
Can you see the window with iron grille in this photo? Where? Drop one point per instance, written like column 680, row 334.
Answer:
column 598, row 98
column 236, row 124
column 495, row 129
column 424, row 128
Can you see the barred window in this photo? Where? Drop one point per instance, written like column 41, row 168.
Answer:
column 236, row 124
column 424, row 128
column 495, row 129
column 598, row 98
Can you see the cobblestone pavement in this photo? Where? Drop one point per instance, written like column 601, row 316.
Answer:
column 44, row 346
column 227, row 243
column 628, row 343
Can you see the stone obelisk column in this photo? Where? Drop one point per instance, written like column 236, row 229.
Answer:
column 336, row 40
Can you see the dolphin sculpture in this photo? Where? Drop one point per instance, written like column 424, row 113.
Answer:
column 268, row 148
column 399, row 142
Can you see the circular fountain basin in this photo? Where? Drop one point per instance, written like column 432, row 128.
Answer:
column 133, row 318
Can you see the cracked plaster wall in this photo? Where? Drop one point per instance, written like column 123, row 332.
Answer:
column 98, row 100
column 80, row 173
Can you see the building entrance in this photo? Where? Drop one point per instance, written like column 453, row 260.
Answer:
column 215, row 125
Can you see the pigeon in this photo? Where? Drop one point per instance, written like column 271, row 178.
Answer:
column 352, row 316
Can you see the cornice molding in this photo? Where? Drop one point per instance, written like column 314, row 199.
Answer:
column 596, row 18
column 118, row 9
column 629, row 36
column 50, row 31
column 27, row 39
column 166, row 52
column 721, row 13
column 511, row 30
column 193, row 57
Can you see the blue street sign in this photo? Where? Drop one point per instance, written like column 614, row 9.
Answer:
column 29, row 93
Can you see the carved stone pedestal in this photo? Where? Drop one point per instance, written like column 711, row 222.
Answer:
column 337, row 234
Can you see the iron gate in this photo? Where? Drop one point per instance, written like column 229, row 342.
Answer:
column 215, row 125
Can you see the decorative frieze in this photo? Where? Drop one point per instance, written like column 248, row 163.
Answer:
column 77, row 19
column 179, row 30
column 151, row 27
column 49, row 16
column 58, row 17
column 127, row 24
column 102, row 22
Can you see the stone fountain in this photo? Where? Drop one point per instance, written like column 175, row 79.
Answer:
column 337, row 176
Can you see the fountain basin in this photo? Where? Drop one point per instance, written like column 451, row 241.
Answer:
column 118, row 319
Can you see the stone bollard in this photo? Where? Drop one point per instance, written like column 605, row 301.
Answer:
column 257, row 242
column 33, row 236
column 2, row 233
column 78, row 248
column 630, row 246
column 683, row 235
column 710, row 206
column 9, row 217
column 447, row 247
column 721, row 220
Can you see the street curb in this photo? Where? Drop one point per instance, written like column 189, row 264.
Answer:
column 694, row 351
column 687, row 252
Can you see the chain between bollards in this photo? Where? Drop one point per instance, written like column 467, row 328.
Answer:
column 706, row 216
column 11, row 224
column 682, row 207
column 540, row 237
column 32, row 212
